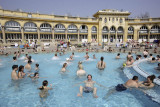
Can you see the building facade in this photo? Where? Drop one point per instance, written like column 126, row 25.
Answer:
column 105, row 26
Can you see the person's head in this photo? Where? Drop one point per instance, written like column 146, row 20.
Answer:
column 14, row 52
column 15, row 67
column 137, row 58
column 151, row 78
column 118, row 54
column 89, row 76
column 80, row 62
column 26, row 55
column 55, row 54
column 150, row 54
column 80, row 66
column 30, row 57
column 36, row 75
column 145, row 56
column 102, row 58
column 72, row 53
column 14, row 58
column 158, row 64
column 21, row 68
column 86, row 53
column 29, row 62
column 64, row 65
column 158, row 56
column 135, row 78
column 6, row 54
column 153, row 59
column 129, row 53
column 37, row 65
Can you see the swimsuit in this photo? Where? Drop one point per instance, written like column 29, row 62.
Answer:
column 88, row 89
column 120, row 87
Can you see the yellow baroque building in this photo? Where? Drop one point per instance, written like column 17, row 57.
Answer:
column 105, row 26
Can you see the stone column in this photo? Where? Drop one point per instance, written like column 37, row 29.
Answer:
column 116, row 37
column 135, row 36
column 52, row 34
column 38, row 34
column 89, row 33
column 3, row 33
column 22, row 33
column 66, row 35
column 78, row 36
column 149, row 33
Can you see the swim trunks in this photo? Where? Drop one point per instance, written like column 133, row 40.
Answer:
column 88, row 89
column 120, row 87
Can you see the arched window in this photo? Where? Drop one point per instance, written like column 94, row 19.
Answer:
column 30, row 27
column 144, row 29
column 155, row 29
column 12, row 26
column 72, row 29
column 59, row 28
column 105, row 20
column 105, row 29
column 130, row 29
column 94, row 29
column 113, row 19
column 112, row 29
column 45, row 27
column 120, row 29
column 83, row 29
column 121, row 20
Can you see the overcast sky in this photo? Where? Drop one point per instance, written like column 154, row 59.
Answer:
column 83, row 8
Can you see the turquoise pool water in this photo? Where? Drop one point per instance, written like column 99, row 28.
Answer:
column 64, row 94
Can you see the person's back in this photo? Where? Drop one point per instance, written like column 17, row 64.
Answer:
column 132, row 83
column 28, row 66
column 101, row 64
column 81, row 72
column 14, row 74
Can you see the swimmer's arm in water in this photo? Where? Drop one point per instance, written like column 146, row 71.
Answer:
column 101, row 85
column 78, row 83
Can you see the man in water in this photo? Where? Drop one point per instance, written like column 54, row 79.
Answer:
column 131, row 83
column 89, row 87
column 101, row 65
column 28, row 66
column 14, row 74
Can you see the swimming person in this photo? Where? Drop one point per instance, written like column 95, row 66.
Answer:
column 81, row 72
column 14, row 74
column 153, row 60
column 89, row 87
column 94, row 56
column 131, row 83
column 158, row 68
column 26, row 57
column 80, row 64
column 21, row 73
column 36, row 67
column 101, row 65
column 64, row 67
column 28, row 66
column 149, row 83
column 14, row 58
column 44, row 89
column 118, row 56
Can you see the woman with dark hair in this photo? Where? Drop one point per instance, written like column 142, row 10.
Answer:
column 149, row 83
column 101, row 64
column 21, row 73
column 44, row 89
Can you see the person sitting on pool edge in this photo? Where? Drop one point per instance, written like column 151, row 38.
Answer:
column 14, row 74
column 44, row 89
column 89, row 87
column 131, row 83
column 118, row 56
column 149, row 83
column 101, row 65
column 28, row 66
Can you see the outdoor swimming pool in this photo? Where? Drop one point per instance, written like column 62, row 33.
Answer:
column 64, row 94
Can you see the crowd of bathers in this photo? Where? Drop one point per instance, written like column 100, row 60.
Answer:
column 89, row 83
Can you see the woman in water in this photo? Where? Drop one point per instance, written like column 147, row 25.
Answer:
column 101, row 65
column 44, row 89
column 149, row 83
column 64, row 67
column 21, row 73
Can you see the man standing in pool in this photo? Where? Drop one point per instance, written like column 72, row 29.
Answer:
column 89, row 87
column 14, row 74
